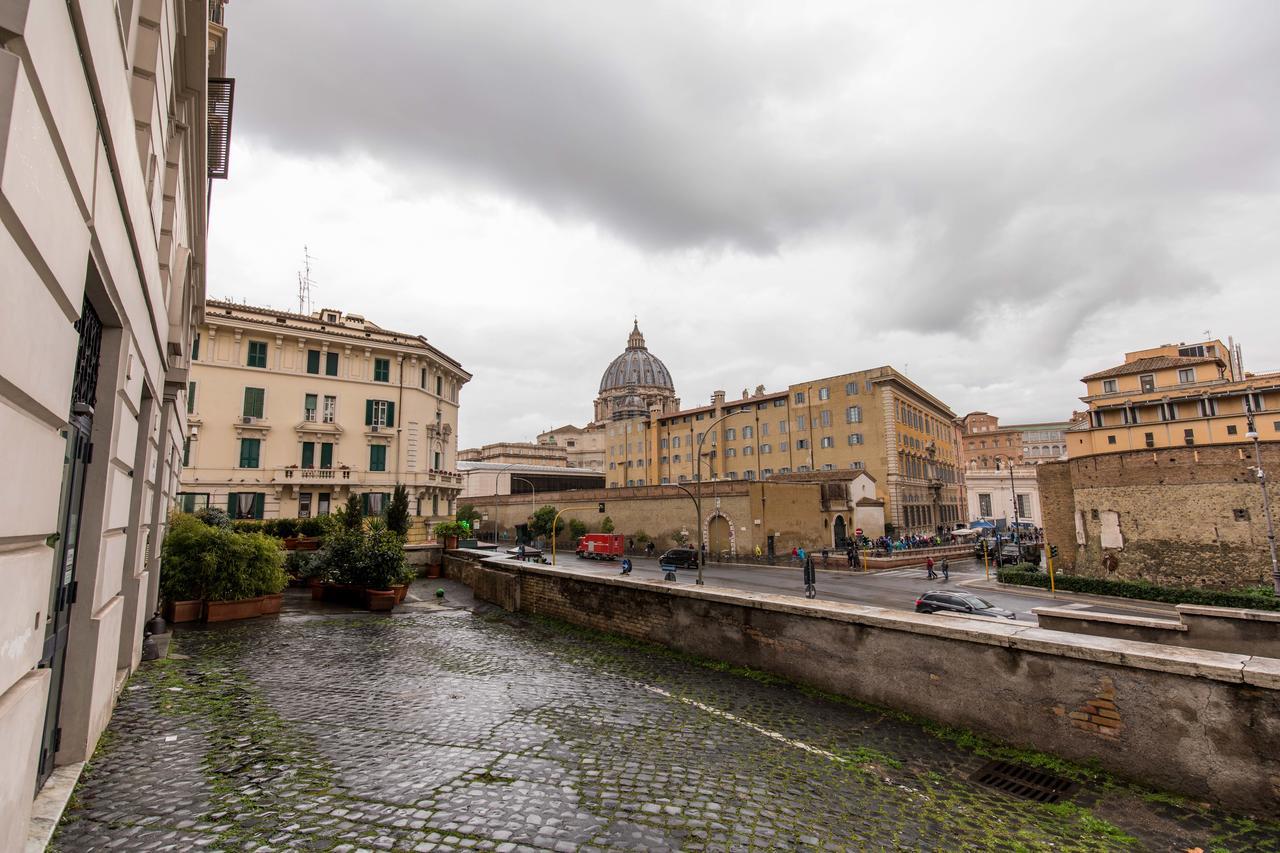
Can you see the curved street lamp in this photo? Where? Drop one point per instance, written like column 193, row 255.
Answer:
column 702, row 545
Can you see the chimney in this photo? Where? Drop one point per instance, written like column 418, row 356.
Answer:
column 717, row 398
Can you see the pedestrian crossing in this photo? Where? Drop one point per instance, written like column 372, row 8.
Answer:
column 917, row 572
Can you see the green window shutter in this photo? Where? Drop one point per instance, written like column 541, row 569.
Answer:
column 231, row 504
column 249, row 452
column 191, row 397
column 368, row 412
column 378, row 457
column 259, row 505
column 257, row 354
column 195, row 347
column 313, row 361
column 391, row 414
column 253, row 401
column 364, row 504
column 326, row 455
column 331, row 364
column 186, row 453
column 381, row 370
column 308, row 454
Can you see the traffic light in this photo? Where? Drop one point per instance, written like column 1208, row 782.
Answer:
column 601, row 507
column 1053, row 550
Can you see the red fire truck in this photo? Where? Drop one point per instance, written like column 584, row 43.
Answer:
column 600, row 546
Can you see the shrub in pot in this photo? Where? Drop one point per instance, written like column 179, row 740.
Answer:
column 339, row 556
column 382, row 561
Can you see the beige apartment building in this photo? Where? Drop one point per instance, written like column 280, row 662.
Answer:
column 113, row 120
column 876, row 420
column 290, row 414
column 1175, row 395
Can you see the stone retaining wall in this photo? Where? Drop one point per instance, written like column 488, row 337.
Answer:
column 1222, row 629
column 1205, row 724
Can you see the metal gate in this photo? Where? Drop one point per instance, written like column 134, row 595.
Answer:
column 78, row 453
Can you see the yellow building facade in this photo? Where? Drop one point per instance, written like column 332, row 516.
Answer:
column 290, row 414
column 1175, row 395
column 876, row 420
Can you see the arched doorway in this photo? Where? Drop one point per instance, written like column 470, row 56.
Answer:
column 840, row 535
column 718, row 535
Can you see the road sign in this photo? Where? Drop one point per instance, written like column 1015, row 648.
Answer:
column 857, row 531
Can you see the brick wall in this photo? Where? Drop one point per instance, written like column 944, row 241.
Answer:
column 1057, row 510
column 1189, row 516
column 791, row 511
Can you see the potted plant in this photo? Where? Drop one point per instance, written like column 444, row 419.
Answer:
column 448, row 532
column 186, row 566
column 382, row 565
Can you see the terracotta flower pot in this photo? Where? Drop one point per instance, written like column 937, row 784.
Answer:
column 402, row 589
column 380, row 599
column 225, row 611
column 317, row 589
column 433, row 571
column 271, row 604
column 183, row 611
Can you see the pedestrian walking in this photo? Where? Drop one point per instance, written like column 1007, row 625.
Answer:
column 626, row 566
column 946, row 569
column 928, row 564
column 801, row 555
column 852, row 554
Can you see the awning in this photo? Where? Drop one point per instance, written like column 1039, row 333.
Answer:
column 981, row 525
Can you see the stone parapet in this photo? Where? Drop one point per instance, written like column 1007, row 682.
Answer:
column 1203, row 723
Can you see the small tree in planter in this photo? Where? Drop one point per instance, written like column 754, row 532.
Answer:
column 606, row 525
column 577, row 528
column 351, row 516
column 382, row 565
column 398, row 512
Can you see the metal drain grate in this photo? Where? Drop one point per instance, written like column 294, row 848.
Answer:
column 1025, row 782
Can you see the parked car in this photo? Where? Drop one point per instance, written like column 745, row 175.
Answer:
column 959, row 602
column 678, row 558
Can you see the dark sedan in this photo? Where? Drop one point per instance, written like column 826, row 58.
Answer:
column 935, row 601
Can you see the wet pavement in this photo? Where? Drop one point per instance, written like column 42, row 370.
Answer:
column 437, row 728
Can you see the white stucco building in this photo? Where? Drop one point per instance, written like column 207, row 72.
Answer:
column 114, row 116
column 991, row 495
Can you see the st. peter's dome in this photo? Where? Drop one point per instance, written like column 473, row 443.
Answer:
column 636, row 367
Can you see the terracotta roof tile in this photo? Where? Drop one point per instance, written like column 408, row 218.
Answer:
column 1145, row 365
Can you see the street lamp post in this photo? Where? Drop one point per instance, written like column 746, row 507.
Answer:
column 1013, row 491
column 702, row 545
column 532, row 489
column 1266, row 501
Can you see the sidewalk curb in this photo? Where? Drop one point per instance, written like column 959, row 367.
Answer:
column 1138, row 604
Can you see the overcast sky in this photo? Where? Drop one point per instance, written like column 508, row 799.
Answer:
column 994, row 197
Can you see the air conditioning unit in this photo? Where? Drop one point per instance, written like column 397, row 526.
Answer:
column 375, row 427
column 247, row 419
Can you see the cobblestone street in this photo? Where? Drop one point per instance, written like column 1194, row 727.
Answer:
column 442, row 729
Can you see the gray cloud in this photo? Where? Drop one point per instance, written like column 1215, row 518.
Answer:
column 970, row 165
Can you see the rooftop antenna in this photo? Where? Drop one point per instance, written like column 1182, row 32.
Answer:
column 305, row 283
